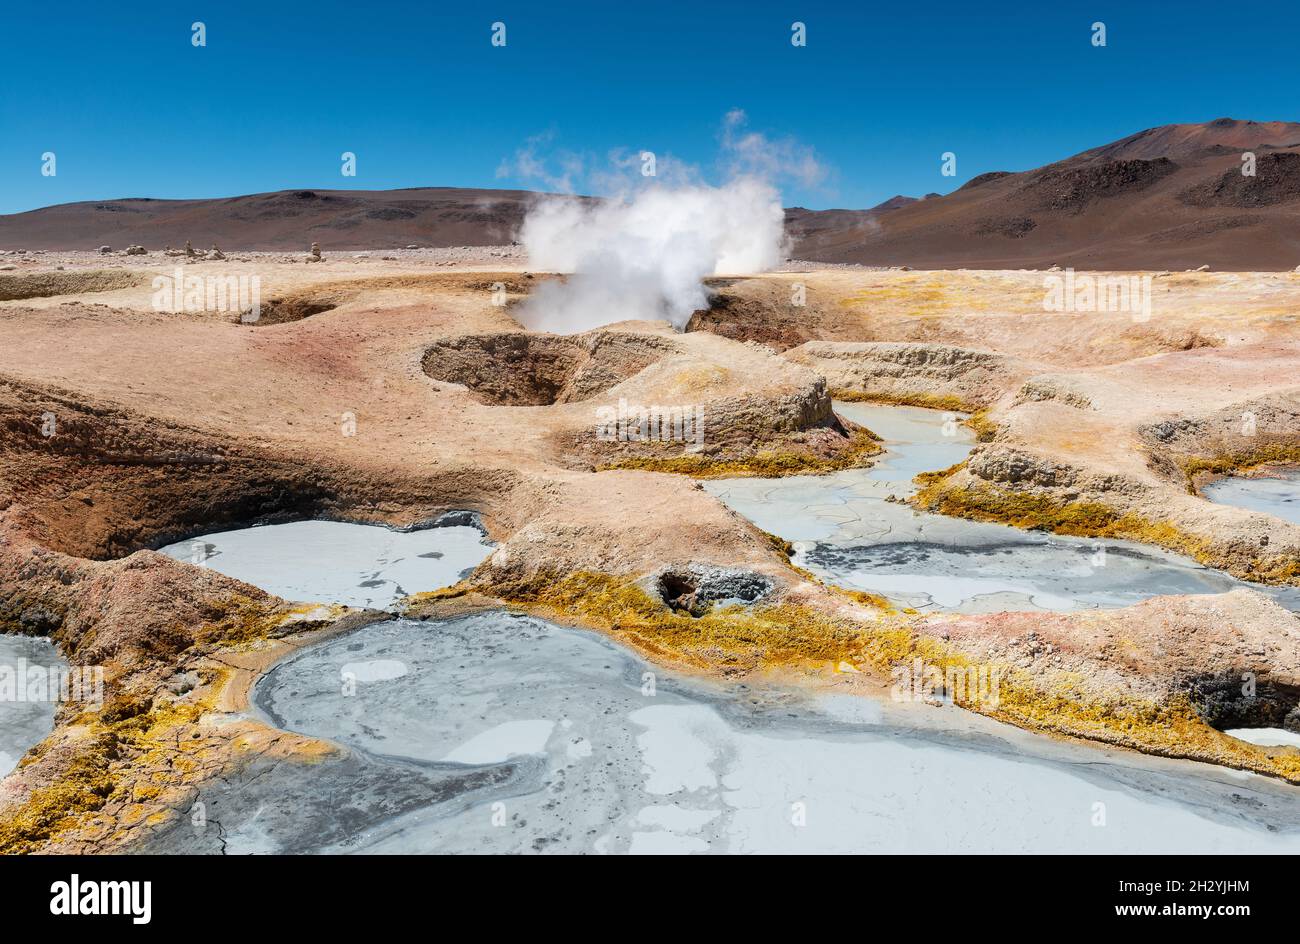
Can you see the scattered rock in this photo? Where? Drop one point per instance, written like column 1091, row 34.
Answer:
column 183, row 682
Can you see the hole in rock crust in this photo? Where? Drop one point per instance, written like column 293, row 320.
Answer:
column 284, row 310
column 520, row 369
column 695, row 589
column 1239, row 700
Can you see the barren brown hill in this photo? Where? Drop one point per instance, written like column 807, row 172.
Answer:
column 1172, row 197
column 283, row 220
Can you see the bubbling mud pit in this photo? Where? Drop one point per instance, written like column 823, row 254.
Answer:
column 501, row 733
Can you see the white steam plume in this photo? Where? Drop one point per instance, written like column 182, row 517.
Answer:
column 645, row 258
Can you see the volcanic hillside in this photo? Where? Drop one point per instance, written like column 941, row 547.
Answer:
column 1170, row 197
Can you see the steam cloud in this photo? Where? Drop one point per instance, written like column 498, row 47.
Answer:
column 644, row 256
column 645, row 259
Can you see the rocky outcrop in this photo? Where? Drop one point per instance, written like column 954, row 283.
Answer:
column 1009, row 485
column 46, row 284
column 1009, row 466
column 1193, row 450
column 901, row 372
column 1276, row 180
column 1073, row 188
column 1038, row 389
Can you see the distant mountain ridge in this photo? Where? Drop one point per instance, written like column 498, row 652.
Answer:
column 285, row 220
column 1167, row 197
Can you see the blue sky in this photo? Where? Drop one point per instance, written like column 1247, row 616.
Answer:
column 421, row 96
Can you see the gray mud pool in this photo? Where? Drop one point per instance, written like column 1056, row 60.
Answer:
column 310, row 561
column 1277, row 495
column 500, row 733
column 338, row 562
column 26, row 701
column 845, row 531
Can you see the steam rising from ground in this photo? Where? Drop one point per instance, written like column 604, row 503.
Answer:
column 644, row 258
column 644, row 253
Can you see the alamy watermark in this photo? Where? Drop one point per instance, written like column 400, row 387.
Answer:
column 960, row 684
column 1069, row 292
column 23, row 682
column 213, row 292
column 86, row 897
column 654, row 423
